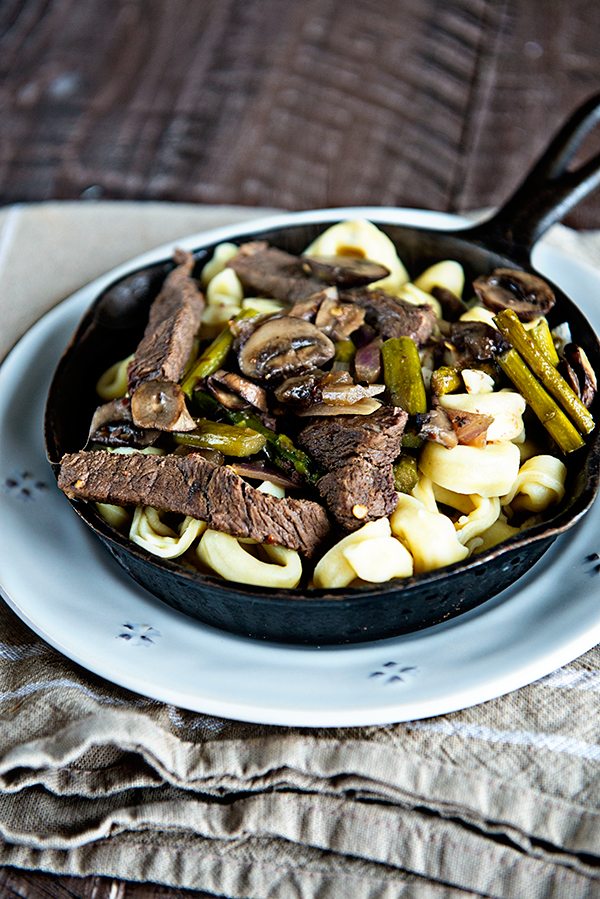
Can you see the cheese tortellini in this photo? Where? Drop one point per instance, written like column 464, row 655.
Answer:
column 363, row 239
column 150, row 531
column 370, row 554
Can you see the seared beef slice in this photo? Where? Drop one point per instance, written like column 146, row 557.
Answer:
column 269, row 272
column 193, row 486
column 334, row 440
column 392, row 317
column 164, row 351
column 358, row 450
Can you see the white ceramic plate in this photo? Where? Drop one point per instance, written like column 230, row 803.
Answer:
column 62, row 582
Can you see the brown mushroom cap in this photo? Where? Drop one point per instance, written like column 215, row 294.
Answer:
column 235, row 392
column 284, row 346
column 346, row 271
column 508, row 288
column 161, row 405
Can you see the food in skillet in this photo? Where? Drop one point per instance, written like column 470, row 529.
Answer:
column 323, row 418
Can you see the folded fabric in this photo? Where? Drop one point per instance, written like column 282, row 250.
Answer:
column 498, row 800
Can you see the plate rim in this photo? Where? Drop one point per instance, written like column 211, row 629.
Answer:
column 386, row 712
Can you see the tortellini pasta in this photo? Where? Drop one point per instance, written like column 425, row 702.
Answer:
column 489, row 470
column 361, row 238
column 478, row 513
column 222, row 254
column 447, row 274
column 233, row 560
column 479, row 313
column 429, row 536
column 150, row 531
column 112, row 384
column 224, row 294
column 505, row 406
column 540, row 484
column 370, row 554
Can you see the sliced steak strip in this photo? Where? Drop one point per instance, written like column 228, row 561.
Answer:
column 358, row 452
column 359, row 492
column 269, row 272
column 333, row 442
column 191, row 485
column 164, row 350
column 393, row 317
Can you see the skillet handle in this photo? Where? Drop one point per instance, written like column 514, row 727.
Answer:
column 548, row 192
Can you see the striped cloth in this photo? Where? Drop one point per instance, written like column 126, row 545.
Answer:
column 499, row 800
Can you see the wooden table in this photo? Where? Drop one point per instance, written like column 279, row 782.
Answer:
column 425, row 103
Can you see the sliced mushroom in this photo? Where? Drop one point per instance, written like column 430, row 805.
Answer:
column 338, row 319
column 308, row 307
column 235, row 392
column 582, row 376
column 161, row 404
column 508, row 288
column 112, row 425
column 347, row 271
column 302, row 390
column 284, row 346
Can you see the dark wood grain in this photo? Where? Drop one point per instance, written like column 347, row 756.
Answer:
column 425, row 103
column 434, row 104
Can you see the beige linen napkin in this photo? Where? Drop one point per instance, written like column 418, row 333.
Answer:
column 499, row 800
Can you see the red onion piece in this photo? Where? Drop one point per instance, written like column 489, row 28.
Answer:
column 367, row 362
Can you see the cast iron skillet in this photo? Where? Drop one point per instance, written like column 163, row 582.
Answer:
column 114, row 324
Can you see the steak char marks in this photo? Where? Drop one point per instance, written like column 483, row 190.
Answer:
column 391, row 316
column 357, row 451
column 269, row 272
column 191, row 485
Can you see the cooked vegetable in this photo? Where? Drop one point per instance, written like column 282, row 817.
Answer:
column 229, row 439
column 212, row 358
column 403, row 376
column 445, row 379
column 280, row 447
column 542, row 338
column 284, row 346
column 406, row 473
column 508, row 288
column 509, row 324
column 545, row 408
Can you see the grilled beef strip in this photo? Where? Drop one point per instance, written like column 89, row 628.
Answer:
column 337, row 440
column 268, row 272
column 357, row 451
column 359, row 492
column 391, row 316
column 164, row 351
column 191, row 485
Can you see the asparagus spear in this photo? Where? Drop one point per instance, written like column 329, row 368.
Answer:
column 510, row 326
column 553, row 419
column 229, row 439
column 402, row 374
column 445, row 379
column 213, row 357
column 542, row 338
column 406, row 473
column 280, row 447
